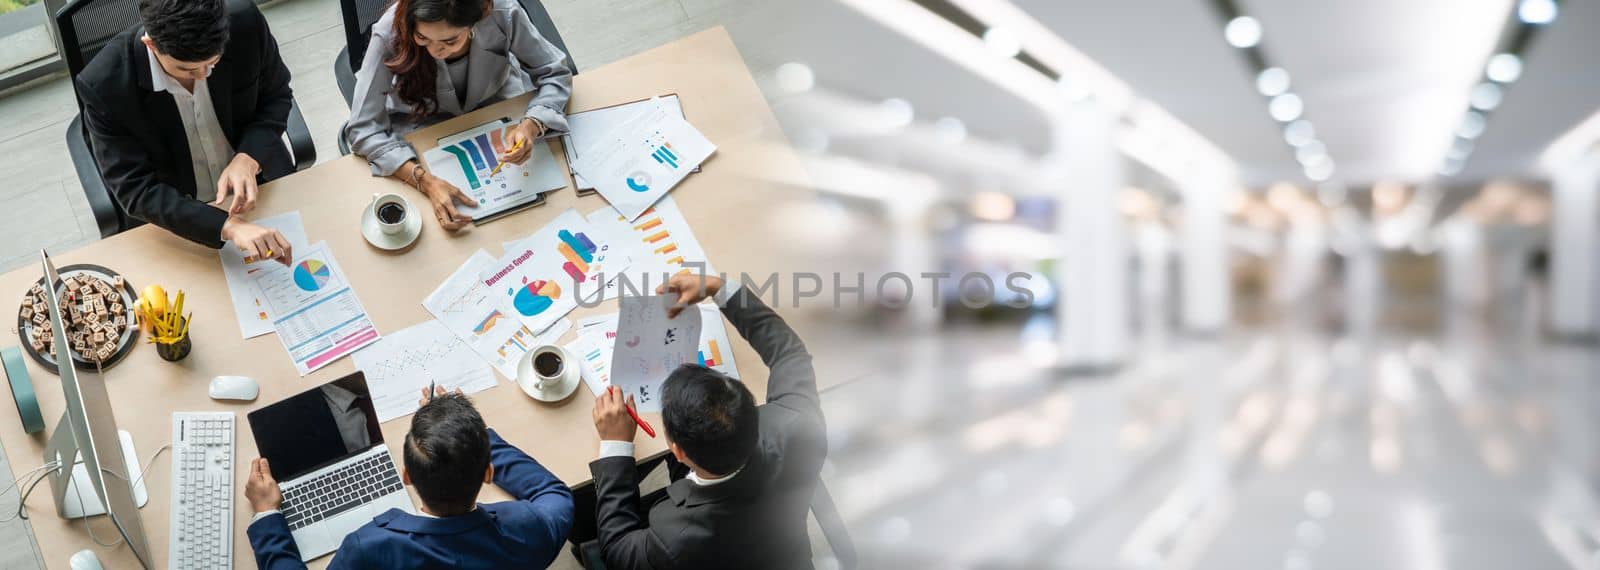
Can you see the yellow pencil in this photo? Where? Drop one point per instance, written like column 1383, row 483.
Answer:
column 514, row 148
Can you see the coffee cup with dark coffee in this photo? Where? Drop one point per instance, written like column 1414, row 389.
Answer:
column 391, row 210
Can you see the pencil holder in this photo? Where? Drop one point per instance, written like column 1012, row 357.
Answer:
column 179, row 349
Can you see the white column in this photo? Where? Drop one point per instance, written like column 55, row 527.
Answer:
column 1092, row 310
column 1206, row 296
column 913, row 251
column 1574, row 246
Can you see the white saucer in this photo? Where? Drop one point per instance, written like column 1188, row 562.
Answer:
column 555, row 391
column 374, row 233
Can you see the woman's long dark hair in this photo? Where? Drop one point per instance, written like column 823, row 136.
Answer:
column 415, row 73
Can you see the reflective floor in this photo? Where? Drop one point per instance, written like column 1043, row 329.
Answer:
column 1285, row 446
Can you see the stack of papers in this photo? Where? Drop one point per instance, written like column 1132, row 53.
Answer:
column 470, row 311
column 319, row 319
column 587, row 127
column 643, row 157
column 249, row 303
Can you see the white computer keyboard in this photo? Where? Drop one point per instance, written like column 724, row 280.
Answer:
column 201, row 535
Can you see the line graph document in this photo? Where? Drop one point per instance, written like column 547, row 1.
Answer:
column 401, row 365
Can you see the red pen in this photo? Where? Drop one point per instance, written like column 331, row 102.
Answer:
column 650, row 431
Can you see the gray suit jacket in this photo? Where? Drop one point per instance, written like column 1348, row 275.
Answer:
column 755, row 520
column 507, row 58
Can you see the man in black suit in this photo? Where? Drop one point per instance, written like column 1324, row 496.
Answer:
column 747, row 472
column 186, row 116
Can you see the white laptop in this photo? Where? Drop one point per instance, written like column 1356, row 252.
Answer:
column 326, row 451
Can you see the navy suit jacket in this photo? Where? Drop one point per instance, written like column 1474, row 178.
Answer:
column 525, row 533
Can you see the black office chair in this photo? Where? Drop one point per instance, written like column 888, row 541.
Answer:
column 360, row 15
column 86, row 26
column 822, row 507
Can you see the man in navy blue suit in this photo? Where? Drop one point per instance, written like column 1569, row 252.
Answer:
column 449, row 455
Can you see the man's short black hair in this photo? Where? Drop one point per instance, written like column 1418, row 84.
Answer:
column 711, row 416
column 186, row 30
column 447, row 452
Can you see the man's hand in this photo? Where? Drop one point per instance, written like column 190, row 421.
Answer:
column 444, row 197
column 261, row 489
column 691, row 288
column 611, row 419
column 257, row 242
column 238, row 181
column 525, row 132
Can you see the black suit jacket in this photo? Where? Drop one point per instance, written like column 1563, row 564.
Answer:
column 755, row 520
column 138, row 139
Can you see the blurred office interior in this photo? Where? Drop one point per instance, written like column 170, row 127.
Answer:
column 1315, row 283
column 1312, row 285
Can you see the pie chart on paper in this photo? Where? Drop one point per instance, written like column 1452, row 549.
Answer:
column 311, row 274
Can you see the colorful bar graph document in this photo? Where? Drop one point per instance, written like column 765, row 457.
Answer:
column 596, row 357
column 584, row 127
column 659, row 242
column 640, row 159
column 402, row 365
column 320, row 319
column 249, row 302
column 716, row 352
column 542, row 276
column 484, row 320
column 467, row 159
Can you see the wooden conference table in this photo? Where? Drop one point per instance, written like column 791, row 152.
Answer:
column 728, row 210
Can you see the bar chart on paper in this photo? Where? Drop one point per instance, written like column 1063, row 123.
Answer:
column 715, row 351
column 468, row 161
column 660, row 242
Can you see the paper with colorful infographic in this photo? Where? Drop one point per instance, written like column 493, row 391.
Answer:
column 467, row 160
column 484, row 320
column 641, row 159
column 584, row 127
column 543, row 275
column 249, row 303
column 659, row 243
column 320, row 320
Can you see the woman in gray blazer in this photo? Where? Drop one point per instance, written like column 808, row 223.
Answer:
column 430, row 60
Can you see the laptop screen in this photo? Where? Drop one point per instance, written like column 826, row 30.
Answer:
column 316, row 428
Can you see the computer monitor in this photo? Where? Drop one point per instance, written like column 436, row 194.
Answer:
column 88, row 433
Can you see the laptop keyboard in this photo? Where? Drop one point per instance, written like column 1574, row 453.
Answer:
column 341, row 490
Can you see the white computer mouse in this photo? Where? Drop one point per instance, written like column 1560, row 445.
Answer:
column 85, row 560
column 234, row 388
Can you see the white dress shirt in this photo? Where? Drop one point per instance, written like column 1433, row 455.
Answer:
column 615, row 448
column 208, row 146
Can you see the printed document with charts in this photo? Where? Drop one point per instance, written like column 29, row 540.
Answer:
column 468, row 160
column 644, row 157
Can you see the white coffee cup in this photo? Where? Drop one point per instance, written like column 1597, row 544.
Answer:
column 390, row 210
column 549, row 373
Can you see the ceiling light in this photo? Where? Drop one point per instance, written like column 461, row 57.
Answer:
column 1299, row 133
column 1311, row 153
column 950, row 130
column 1471, row 126
column 1243, row 32
column 1320, row 171
column 1286, row 107
column 1074, row 89
column 897, row 112
column 1002, row 42
column 796, row 77
column 1486, row 96
column 1537, row 11
column 1504, row 67
column 1273, row 81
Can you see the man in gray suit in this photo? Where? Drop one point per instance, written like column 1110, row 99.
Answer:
column 747, row 472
